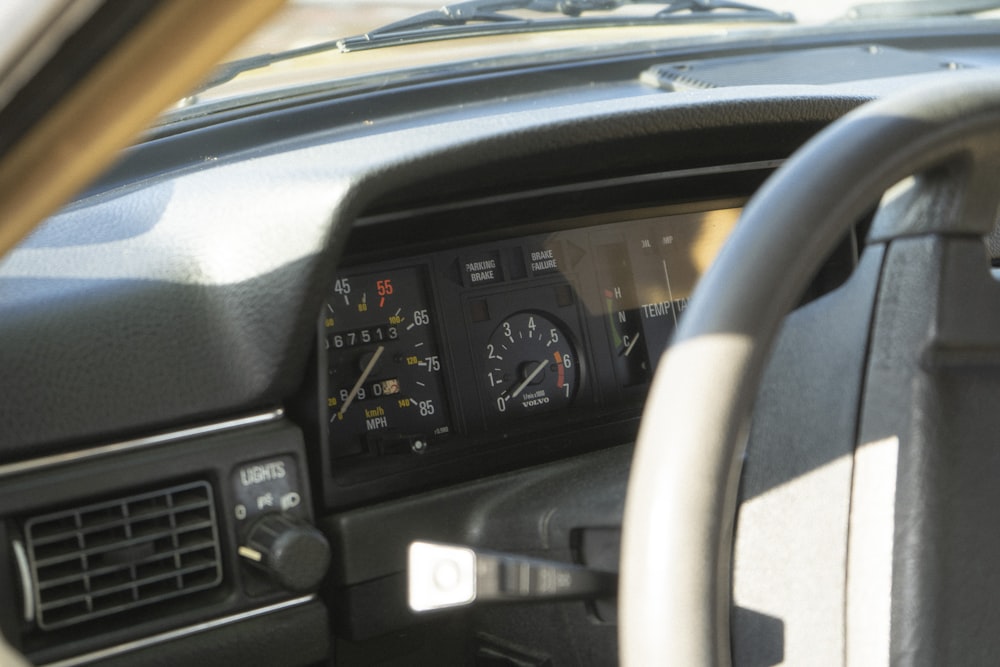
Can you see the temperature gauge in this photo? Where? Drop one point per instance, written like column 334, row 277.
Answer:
column 384, row 386
column 624, row 322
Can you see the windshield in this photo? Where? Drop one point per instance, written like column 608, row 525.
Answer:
column 315, row 44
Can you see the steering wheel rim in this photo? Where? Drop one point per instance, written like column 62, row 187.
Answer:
column 677, row 535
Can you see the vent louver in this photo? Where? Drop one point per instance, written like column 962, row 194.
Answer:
column 113, row 556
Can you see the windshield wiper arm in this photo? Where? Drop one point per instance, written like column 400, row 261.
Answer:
column 482, row 17
column 471, row 11
column 487, row 16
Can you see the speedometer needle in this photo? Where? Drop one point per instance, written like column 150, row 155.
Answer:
column 361, row 380
column 532, row 376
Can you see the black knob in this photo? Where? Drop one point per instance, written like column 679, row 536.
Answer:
column 293, row 553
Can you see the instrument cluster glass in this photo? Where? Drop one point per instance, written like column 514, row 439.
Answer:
column 384, row 370
column 479, row 346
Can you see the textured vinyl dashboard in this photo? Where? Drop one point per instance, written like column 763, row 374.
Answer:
column 194, row 296
column 185, row 284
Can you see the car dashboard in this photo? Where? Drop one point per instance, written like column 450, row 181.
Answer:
column 384, row 313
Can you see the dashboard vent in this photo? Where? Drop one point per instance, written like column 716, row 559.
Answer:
column 812, row 67
column 114, row 556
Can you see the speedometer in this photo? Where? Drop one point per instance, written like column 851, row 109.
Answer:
column 384, row 387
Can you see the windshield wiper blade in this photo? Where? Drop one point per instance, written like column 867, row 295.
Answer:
column 482, row 17
column 486, row 17
column 226, row 72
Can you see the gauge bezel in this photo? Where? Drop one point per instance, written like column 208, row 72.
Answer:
column 355, row 442
column 578, row 367
column 555, row 297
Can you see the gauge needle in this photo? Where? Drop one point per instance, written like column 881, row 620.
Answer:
column 532, row 376
column 632, row 344
column 673, row 308
column 361, row 380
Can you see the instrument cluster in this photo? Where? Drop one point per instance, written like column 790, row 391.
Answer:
column 467, row 348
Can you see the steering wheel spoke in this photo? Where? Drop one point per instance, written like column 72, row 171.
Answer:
column 957, row 197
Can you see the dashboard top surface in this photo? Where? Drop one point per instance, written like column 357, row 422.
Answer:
column 227, row 263
column 190, row 295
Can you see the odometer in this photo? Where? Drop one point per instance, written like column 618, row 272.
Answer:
column 384, row 386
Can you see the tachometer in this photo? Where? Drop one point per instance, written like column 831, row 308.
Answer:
column 385, row 391
column 531, row 366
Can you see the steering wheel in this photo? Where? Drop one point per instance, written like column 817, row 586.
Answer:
column 675, row 598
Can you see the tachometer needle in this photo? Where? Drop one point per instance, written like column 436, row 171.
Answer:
column 361, row 380
column 632, row 344
column 538, row 369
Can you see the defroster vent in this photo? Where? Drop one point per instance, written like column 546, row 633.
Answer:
column 114, row 556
